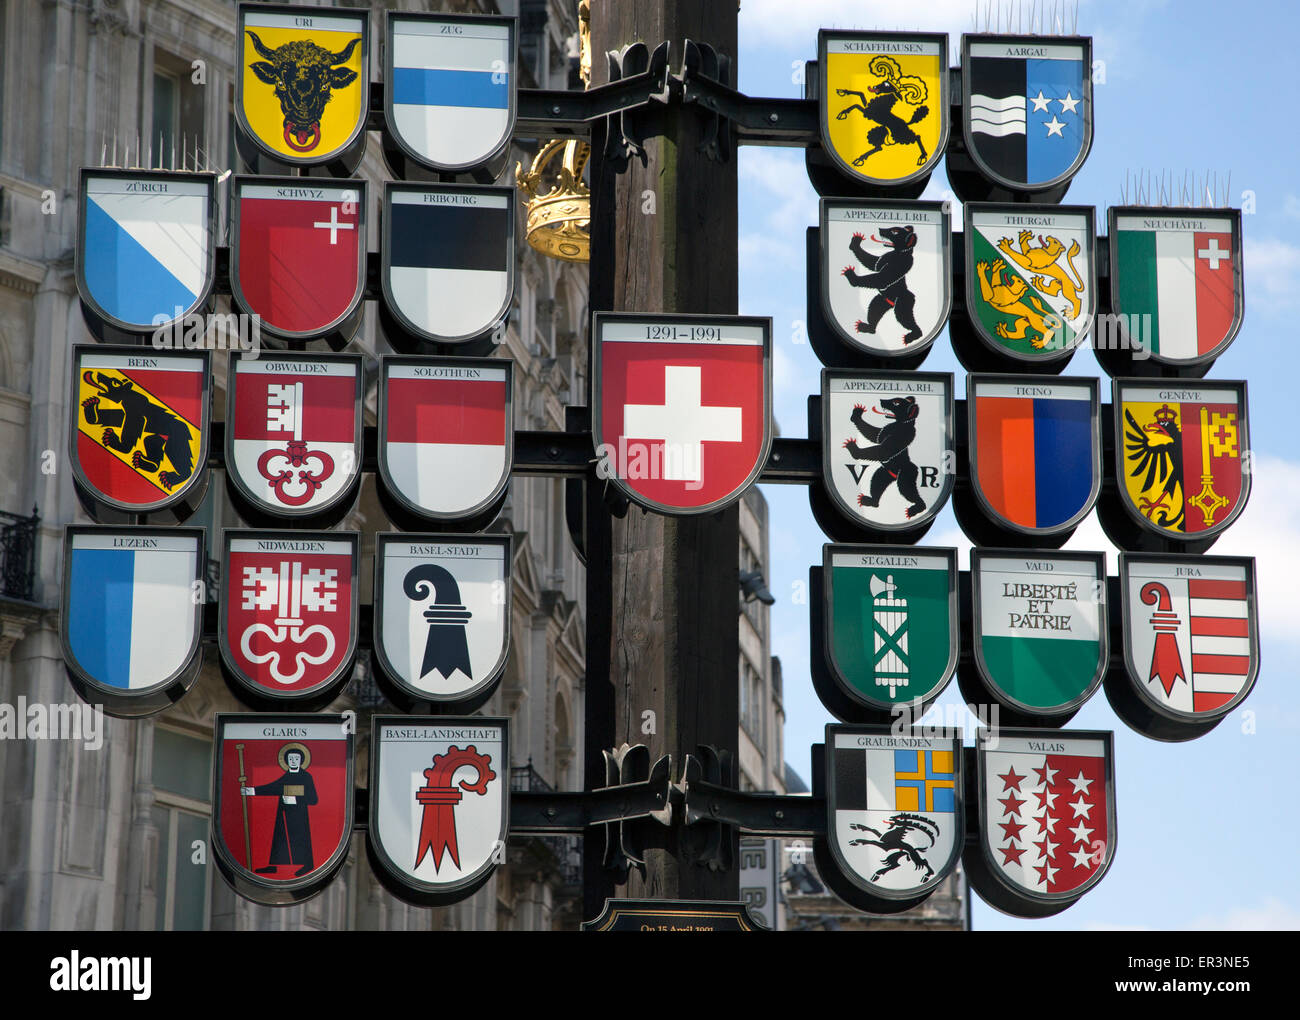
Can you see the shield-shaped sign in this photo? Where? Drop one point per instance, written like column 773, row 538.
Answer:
column 442, row 614
column 450, row 96
column 891, row 622
column 1176, row 280
column 298, row 254
column 145, row 249
column 683, row 407
column 1040, row 628
column 1035, row 450
column 885, row 272
column 439, row 804
column 139, row 435
column 884, row 103
column 448, row 258
column 1031, row 293
column 288, row 621
column 1028, row 107
column 1046, row 817
column 446, row 435
column 293, row 432
column 132, row 615
column 302, row 93
column 1179, row 450
column 282, row 798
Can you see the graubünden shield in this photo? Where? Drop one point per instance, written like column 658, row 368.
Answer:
column 884, row 103
column 683, row 407
column 293, row 431
column 442, row 614
column 298, row 254
column 288, row 619
column 145, row 249
column 885, row 272
column 887, row 445
column 1176, row 280
column 439, row 804
column 1030, row 278
column 139, row 435
column 282, row 802
column 448, row 258
column 1027, row 116
column 891, row 622
column 1179, row 450
column 132, row 615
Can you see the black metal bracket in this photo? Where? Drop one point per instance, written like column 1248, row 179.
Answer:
column 548, row 813
column 755, row 814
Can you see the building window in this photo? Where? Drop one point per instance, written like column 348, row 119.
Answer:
column 751, row 702
column 181, row 811
column 177, row 113
column 166, row 114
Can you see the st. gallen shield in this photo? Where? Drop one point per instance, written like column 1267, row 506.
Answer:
column 883, row 103
column 132, row 615
column 1176, row 280
column 302, row 87
column 293, row 433
column 891, row 622
column 145, row 250
column 450, row 100
column 683, row 407
column 1046, row 818
column 442, row 616
column 439, row 804
column 1027, row 115
column 288, row 617
column 282, row 803
column 1030, row 278
column 888, row 458
column 886, row 268
column 139, row 434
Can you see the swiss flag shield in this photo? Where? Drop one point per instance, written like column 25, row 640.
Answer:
column 683, row 407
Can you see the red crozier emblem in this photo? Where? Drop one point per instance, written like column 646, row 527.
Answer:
column 440, row 795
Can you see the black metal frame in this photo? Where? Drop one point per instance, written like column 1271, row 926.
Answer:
column 18, row 555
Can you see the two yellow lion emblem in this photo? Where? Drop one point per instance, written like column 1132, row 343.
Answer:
column 1033, row 320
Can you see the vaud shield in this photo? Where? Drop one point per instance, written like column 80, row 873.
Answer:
column 132, row 615
column 288, row 620
column 884, row 103
column 439, row 804
column 145, row 250
column 293, row 434
column 282, row 801
column 683, row 407
column 442, row 616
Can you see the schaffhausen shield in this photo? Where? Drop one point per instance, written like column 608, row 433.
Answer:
column 288, row 618
column 132, row 615
column 145, row 251
column 448, row 258
column 439, row 804
column 282, row 802
column 886, row 268
column 884, row 103
column 683, row 407
column 1046, row 818
column 888, row 458
column 442, row 616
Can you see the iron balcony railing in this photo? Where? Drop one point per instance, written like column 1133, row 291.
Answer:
column 18, row 555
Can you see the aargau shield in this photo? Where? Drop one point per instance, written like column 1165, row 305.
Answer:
column 439, row 804
column 282, row 802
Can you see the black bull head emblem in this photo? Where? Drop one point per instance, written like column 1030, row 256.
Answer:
column 304, row 76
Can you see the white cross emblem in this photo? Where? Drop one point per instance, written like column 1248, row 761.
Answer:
column 682, row 423
column 1213, row 254
column 333, row 226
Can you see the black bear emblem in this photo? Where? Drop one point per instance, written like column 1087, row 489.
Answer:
column 158, row 431
column 892, row 441
column 887, row 274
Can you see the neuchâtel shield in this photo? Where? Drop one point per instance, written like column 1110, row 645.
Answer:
column 887, row 445
column 442, row 615
column 439, row 804
column 884, row 103
column 132, row 615
column 282, row 802
column 885, row 272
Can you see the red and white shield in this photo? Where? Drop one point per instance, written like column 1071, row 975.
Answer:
column 683, row 407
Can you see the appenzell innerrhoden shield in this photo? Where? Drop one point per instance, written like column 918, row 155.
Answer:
column 683, row 415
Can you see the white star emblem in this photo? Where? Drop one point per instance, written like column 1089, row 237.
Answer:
column 1068, row 103
column 1080, row 833
column 1054, row 127
column 1051, row 873
column 1080, row 784
column 1040, row 102
column 1051, row 798
column 1050, row 773
column 1082, row 859
column 1051, row 850
column 1081, row 807
column 1050, row 821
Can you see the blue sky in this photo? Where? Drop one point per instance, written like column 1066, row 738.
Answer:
column 1207, row 829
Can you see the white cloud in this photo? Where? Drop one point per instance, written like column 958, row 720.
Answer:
column 789, row 202
column 1271, row 915
column 1291, row 207
column 1273, row 267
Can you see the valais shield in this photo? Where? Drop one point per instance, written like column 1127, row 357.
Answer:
column 439, row 804
column 282, row 802
column 683, row 407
